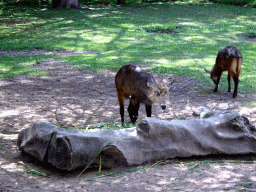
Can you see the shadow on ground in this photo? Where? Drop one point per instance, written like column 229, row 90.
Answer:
column 69, row 97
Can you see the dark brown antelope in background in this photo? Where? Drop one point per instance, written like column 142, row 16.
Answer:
column 228, row 59
column 136, row 84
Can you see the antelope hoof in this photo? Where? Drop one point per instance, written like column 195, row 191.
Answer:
column 133, row 119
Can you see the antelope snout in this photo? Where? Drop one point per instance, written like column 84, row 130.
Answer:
column 164, row 106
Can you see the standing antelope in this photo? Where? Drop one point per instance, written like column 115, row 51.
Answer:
column 228, row 59
column 136, row 84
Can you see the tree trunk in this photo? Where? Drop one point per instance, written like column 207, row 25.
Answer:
column 121, row 2
column 59, row 4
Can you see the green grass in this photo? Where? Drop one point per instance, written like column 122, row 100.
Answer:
column 13, row 66
column 35, row 172
column 121, row 35
column 100, row 126
column 203, row 90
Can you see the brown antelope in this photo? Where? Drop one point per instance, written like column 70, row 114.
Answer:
column 136, row 84
column 228, row 59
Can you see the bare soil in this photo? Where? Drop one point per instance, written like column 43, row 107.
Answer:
column 69, row 97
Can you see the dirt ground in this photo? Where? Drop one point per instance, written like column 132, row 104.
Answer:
column 68, row 97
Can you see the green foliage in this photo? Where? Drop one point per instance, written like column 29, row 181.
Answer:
column 236, row 2
column 28, row 3
column 35, row 172
column 110, row 125
column 99, row 172
column 101, row 126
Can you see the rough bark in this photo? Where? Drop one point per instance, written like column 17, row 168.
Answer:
column 121, row 2
column 225, row 132
column 61, row 4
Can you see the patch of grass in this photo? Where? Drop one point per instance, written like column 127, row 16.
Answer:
column 204, row 90
column 202, row 165
column 139, row 168
column 34, row 172
column 14, row 66
column 99, row 172
column 245, row 186
column 177, row 117
column 100, row 126
column 110, row 125
column 190, row 165
column 120, row 34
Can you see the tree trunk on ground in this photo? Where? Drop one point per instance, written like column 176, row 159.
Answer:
column 59, row 4
column 121, row 2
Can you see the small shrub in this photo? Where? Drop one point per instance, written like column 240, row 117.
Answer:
column 236, row 2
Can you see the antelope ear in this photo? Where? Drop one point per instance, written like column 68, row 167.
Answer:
column 207, row 71
column 152, row 86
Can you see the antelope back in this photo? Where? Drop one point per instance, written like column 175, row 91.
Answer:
column 134, row 82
